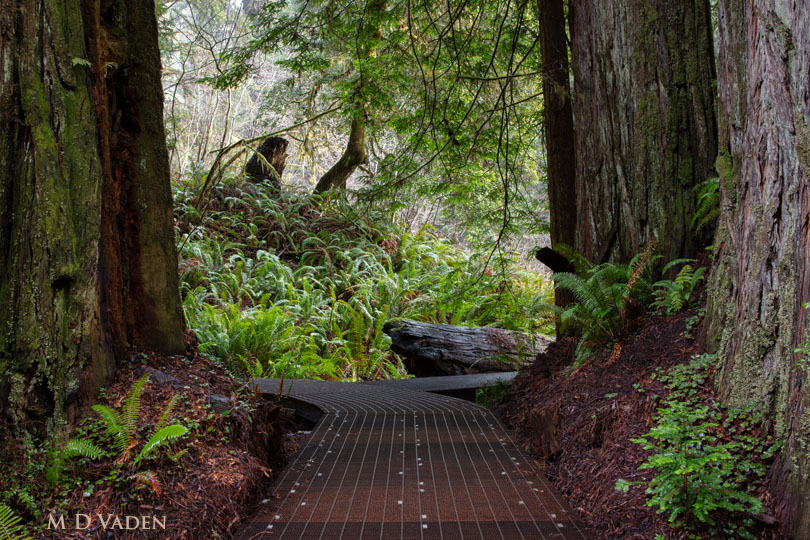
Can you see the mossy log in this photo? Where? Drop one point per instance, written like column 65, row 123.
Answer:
column 444, row 349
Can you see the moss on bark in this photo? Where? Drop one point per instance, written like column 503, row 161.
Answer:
column 760, row 277
column 60, row 338
column 645, row 125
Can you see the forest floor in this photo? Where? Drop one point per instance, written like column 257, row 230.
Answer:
column 205, row 483
column 580, row 426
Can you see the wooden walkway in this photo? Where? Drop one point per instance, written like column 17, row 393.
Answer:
column 389, row 461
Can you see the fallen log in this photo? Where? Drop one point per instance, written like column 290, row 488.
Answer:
column 443, row 349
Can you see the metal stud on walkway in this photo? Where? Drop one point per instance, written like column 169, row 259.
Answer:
column 386, row 463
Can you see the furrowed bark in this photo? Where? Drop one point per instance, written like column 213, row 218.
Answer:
column 87, row 255
column 645, row 124
column 559, row 131
column 760, row 279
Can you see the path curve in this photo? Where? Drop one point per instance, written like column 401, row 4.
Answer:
column 386, row 462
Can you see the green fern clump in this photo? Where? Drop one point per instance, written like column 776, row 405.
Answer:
column 310, row 297
column 72, row 448
column 10, row 525
column 676, row 295
column 122, row 428
column 602, row 297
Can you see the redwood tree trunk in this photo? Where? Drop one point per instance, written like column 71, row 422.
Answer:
column 558, row 122
column 88, row 264
column 645, row 123
column 760, row 279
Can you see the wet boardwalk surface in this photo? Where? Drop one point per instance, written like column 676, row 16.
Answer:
column 387, row 462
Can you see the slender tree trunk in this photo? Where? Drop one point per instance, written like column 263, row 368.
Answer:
column 761, row 277
column 559, row 131
column 368, row 35
column 353, row 156
column 645, row 123
column 87, row 254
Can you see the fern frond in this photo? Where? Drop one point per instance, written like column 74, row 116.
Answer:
column 697, row 275
column 113, row 426
column 72, row 448
column 165, row 416
column 132, row 406
column 80, row 447
column 162, row 436
column 675, row 263
column 708, row 204
column 10, row 527
column 675, row 295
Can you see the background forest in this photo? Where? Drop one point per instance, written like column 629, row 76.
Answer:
column 283, row 178
column 434, row 219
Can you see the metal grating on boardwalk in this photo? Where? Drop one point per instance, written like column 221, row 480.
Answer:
column 386, row 463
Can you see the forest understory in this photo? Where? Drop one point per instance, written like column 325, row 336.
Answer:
column 580, row 427
column 577, row 417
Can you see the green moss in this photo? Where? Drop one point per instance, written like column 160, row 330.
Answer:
column 802, row 140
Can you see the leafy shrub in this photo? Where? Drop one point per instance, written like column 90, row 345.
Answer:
column 704, row 460
column 676, row 295
column 490, row 394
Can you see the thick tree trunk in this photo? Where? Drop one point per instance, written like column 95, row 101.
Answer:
column 761, row 277
column 444, row 349
column 645, row 123
column 353, row 156
column 559, row 131
column 87, row 254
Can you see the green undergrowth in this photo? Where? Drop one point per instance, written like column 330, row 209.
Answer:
column 708, row 460
column 609, row 297
column 300, row 286
column 490, row 394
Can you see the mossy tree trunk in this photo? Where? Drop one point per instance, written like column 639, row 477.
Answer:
column 761, row 277
column 88, row 265
column 645, row 123
column 558, row 120
column 369, row 36
column 353, row 156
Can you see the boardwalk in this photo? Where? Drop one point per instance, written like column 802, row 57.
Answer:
column 389, row 461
